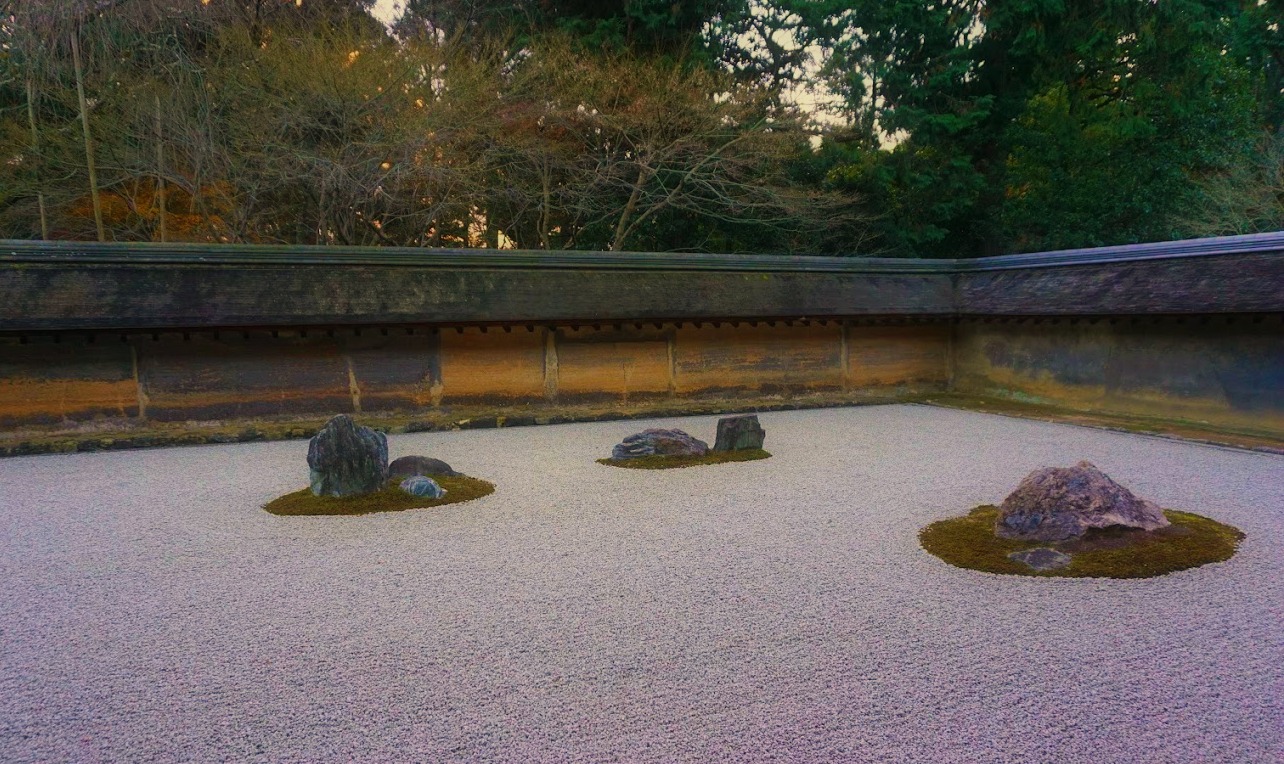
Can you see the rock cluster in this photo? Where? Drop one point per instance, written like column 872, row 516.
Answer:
column 345, row 459
column 659, row 442
column 1059, row 503
column 737, row 433
column 409, row 466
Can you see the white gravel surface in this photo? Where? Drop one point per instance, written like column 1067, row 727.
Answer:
column 765, row 611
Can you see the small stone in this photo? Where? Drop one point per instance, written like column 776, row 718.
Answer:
column 1042, row 558
column 1058, row 503
column 659, row 442
column 347, row 460
column 738, row 433
column 408, row 466
column 424, row 487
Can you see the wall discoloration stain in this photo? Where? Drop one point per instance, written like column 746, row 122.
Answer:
column 232, row 375
column 762, row 357
column 916, row 357
column 614, row 362
column 492, row 365
column 1215, row 372
column 50, row 382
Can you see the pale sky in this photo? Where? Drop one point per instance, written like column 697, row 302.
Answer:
column 386, row 10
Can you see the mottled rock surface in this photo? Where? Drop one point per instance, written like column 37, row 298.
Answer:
column 737, row 433
column 1058, row 503
column 345, row 459
column 408, row 466
column 659, row 442
column 1042, row 558
column 419, row 485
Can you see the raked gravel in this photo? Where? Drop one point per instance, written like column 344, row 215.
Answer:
column 777, row 610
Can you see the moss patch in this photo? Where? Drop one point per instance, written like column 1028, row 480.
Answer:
column 390, row 499
column 674, row 462
column 1192, row 540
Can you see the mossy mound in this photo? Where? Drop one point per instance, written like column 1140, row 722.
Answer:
column 1192, row 540
column 659, row 462
column 390, row 499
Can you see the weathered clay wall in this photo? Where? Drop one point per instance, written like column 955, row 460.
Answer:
column 1223, row 371
column 97, row 334
column 229, row 375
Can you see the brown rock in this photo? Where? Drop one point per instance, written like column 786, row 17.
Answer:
column 1058, row 503
column 410, row 466
column 659, row 442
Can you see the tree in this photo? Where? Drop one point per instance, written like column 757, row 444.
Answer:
column 967, row 93
column 628, row 152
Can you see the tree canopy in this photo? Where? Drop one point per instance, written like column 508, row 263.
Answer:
column 962, row 127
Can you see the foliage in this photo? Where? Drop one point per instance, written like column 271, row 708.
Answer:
column 613, row 26
column 994, row 127
column 1247, row 198
column 971, row 127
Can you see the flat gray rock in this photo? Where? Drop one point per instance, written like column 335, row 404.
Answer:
column 738, row 433
column 659, row 442
column 1042, row 558
column 345, row 459
column 1058, row 503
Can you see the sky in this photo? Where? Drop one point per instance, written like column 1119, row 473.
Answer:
column 386, row 10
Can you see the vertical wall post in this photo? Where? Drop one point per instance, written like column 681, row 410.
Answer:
column 550, row 363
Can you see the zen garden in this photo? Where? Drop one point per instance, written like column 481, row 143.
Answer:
column 641, row 381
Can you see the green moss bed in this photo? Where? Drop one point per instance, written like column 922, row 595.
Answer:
column 659, row 462
column 390, row 499
column 1192, row 540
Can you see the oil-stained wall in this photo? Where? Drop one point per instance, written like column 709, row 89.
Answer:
column 230, row 375
column 1225, row 371
column 43, row 381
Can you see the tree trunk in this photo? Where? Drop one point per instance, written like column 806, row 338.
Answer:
column 89, row 144
column 622, row 227
column 35, row 147
column 160, row 172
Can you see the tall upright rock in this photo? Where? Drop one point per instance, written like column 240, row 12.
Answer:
column 345, row 459
column 736, row 433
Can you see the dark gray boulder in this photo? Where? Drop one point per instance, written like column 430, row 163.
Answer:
column 422, row 486
column 345, row 459
column 407, row 466
column 1059, row 503
column 737, row 433
column 659, row 442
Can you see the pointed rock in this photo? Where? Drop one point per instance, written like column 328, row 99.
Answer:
column 1059, row 503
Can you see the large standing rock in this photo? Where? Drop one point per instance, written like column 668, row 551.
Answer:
column 1058, row 503
column 409, row 466
column 737, row 433
column 658, row 442
column 347, row 460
